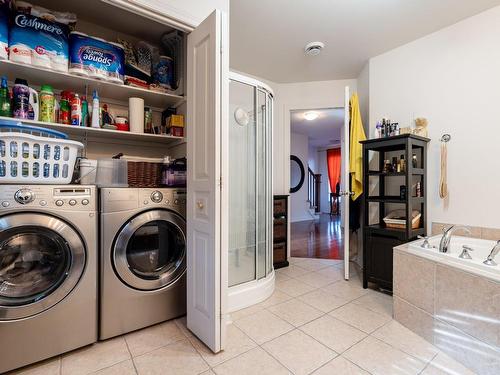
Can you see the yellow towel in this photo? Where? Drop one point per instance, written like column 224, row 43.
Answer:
column 357, row 134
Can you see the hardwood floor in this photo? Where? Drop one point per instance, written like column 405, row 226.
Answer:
column 317, row 238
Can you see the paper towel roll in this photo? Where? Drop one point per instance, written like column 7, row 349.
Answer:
column 136, row 115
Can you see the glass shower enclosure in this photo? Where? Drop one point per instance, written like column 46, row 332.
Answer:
column 251, row 276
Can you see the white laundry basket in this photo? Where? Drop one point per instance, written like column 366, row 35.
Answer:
column 29, row 154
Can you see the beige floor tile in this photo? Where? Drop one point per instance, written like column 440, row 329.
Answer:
column 376, row 301
column 297, row 260
column 313, row 264
column 253, row 362
column 322, row 300
column 359, row 317
column 331, row 262
column 179, row 358
column 236, row 315
column 293, row 287
column 340, row 366
column 154, row 337
column 315, row 279
column 378, row 357
column 295, row 312
column 300, row 353
column 95, row 357
column 277, row 297
column 445, row 365
column 236, row 343
column 332, row 273
column 292, row 270
column 281, row 276
column 263, row 326
column 122, row 368
column 333, row 333
column 50, row 366
column 405, row 340
column 349, row 290
column 182, row 324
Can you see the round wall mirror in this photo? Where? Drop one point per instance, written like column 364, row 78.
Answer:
column 297, row 174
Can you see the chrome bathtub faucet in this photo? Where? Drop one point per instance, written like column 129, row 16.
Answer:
column 465, row 252
column 490, row 261
column 445, row 240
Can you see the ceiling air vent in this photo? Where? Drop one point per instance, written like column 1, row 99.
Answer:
column 314, row 48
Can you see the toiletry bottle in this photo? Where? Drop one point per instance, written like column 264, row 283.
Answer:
column 76, row 110
column 4, row 99
column 95, row 110
column 65, row 108
column 402, row 162
column 414, row 161
column 378, row 130
column 85, row 112
column 418, row 190
column 395, row 164
column 47, row 104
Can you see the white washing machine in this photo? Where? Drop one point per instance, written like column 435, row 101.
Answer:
column 143, row 258
column 48, row 271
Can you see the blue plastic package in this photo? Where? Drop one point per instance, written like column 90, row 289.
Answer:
column 36, row 41
column 96, row 58
column 4, row 29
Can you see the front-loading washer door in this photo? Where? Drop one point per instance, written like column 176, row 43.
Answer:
column 41, row 260
column 149, row 252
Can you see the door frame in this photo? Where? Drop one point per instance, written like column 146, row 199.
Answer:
column 287, row 137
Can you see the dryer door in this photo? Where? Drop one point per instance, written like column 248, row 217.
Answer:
column 149, row 252
column 41, row 260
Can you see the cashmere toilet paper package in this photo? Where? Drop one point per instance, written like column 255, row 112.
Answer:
column 96, row 58
column 4, row 29
column 39, row 42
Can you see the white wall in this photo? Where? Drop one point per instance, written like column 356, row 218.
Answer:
column 325, row 190
column 452, row 78
column 312, row 159
column 363, row 85
column 299, row 207
column 303, row 95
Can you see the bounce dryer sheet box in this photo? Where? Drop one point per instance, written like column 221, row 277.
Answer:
column 4, row 29
column 39, row 42
column 96, row 58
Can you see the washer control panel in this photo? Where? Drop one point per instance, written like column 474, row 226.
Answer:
column 66, row 197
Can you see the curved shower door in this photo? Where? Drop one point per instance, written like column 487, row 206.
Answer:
column 250, row 183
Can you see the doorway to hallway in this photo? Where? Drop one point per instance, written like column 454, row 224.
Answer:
column 320, row 238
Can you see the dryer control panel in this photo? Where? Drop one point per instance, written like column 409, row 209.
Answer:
column 175, row 199
column 63, row 197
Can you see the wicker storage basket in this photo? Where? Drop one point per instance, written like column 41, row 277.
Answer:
column 396, row 219
column 143, row 172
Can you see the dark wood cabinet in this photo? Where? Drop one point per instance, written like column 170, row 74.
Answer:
column 394, row 190
column 280, row 231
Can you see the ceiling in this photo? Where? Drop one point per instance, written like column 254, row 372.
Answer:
column 268, row 37
column 322, row 132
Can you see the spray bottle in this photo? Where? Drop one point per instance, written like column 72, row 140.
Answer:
column 95, row 110
column 4, row 99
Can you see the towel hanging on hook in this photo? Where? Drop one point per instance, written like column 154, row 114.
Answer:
column 443, row 182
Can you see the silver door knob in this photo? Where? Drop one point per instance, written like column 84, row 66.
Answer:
column 200, row 205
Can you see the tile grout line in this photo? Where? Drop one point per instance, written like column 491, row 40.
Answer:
column 131, row 356
column 428, row 363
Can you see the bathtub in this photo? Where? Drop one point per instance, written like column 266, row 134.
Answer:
column 481, row 250
column 451, row 302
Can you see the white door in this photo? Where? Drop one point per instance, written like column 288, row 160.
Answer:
column 345, row 179
column 208, row 85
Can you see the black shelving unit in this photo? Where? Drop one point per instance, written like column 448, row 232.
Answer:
column 379, row 240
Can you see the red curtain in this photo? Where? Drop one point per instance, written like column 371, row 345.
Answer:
column 333, row 161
